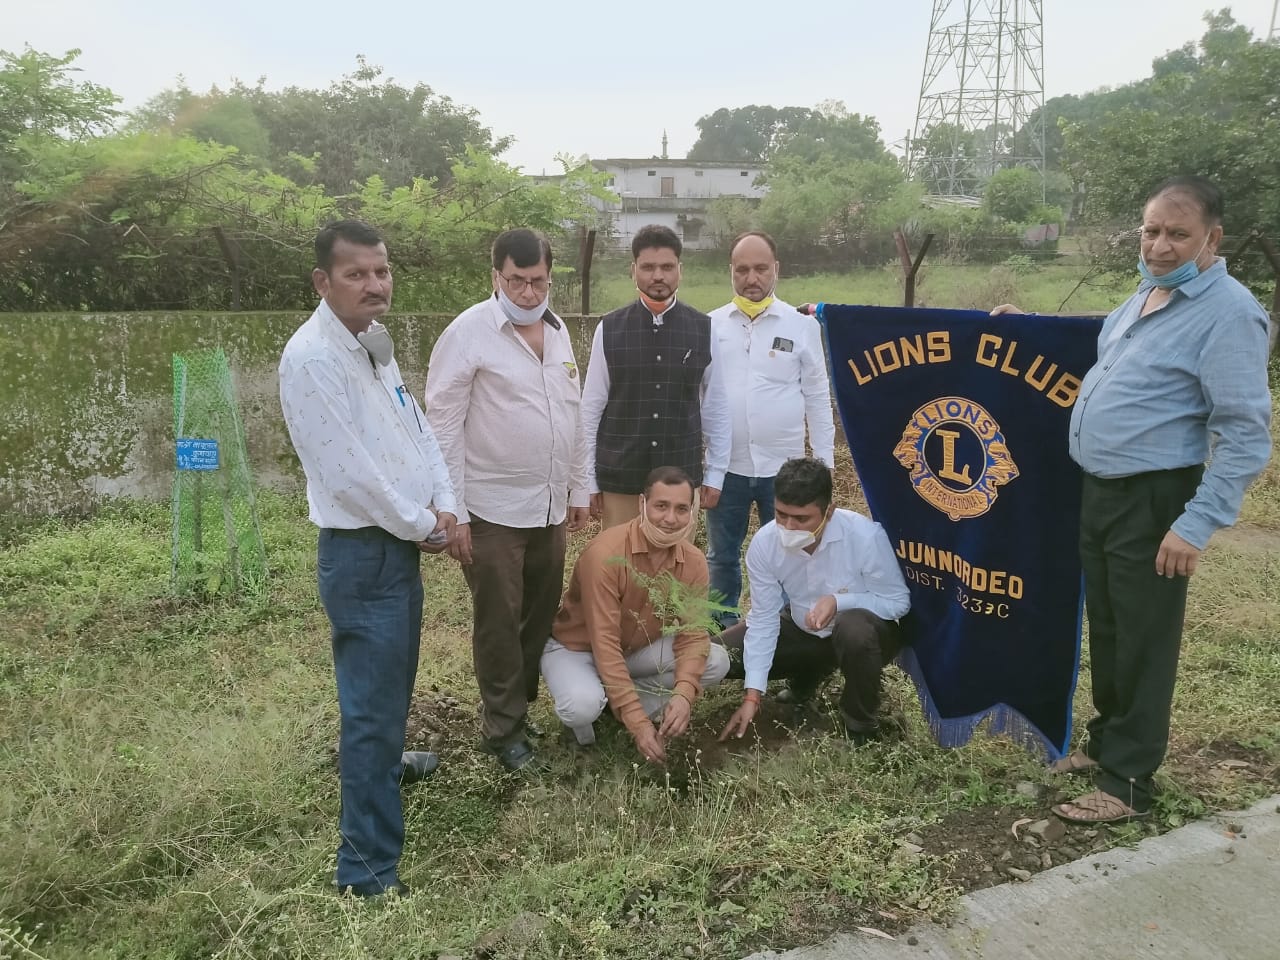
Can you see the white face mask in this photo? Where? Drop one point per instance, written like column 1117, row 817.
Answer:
column 377, row 340
column 795, row 540
column 522, row 316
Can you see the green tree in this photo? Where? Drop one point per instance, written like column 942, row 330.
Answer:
column 749, row 133
column 1013, row 194
column 1210, row 109
column 39, row 100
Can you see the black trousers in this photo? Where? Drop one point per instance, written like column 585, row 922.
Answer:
column 1135, row 623
column 516, row 576
column 860, row 645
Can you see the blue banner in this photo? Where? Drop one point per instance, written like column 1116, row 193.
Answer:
column 958, row 426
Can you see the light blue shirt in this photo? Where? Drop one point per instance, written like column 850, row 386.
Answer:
column 1166, row 382
column 854, row 562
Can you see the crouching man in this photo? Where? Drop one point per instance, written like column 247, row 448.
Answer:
column 631, row 630
column 846, row 595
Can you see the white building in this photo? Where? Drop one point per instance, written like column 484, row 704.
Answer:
column 674, row 193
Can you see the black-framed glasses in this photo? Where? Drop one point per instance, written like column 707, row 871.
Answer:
column 519, row 284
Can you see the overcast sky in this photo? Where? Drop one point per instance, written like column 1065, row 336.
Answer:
column 589, row 77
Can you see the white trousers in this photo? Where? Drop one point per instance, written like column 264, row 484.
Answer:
column 579, row 695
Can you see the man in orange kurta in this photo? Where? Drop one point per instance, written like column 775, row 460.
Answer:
column 631, row 630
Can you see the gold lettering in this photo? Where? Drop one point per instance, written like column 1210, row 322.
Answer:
column 1007, row 365
column 894, row 361
column 1065, row 391
column 1044, row 380
column 948, row 470
column 912, row 350
column 939, row 342
column 857, row 374
column 985, row 357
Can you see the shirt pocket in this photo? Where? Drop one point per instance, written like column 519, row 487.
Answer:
column 778, row 366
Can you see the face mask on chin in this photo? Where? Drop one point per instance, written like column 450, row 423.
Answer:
column 377, row 340
column 753, row 308
column 1183, row 273
column 522, row 316
column 663, row 539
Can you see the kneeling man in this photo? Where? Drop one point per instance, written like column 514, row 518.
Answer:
column 631, row 629
column 846, row 595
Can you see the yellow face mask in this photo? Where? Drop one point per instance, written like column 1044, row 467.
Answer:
column 750, row 307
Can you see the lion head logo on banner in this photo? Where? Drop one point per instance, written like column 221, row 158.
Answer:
column 957, row 456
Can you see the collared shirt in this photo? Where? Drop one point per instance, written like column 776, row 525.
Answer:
column 608, row 609
column 1165, row 382
column 854, row 562
column 717, row 427
column 366, row 448
column 775, row 374
column 508, row 421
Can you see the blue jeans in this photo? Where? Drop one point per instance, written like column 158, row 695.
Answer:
column 371, row 589
column 727, row 528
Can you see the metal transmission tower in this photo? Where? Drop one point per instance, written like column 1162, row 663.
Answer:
column 1273, row 33
column 981, row 95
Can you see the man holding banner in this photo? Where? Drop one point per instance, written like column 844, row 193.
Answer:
column 1181, row 360
column 846, row 595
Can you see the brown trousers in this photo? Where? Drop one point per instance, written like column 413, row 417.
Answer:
column 619, row 508
column 516, row 576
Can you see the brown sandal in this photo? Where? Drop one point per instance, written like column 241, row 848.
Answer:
column 1077, row 761
column 1098, row 807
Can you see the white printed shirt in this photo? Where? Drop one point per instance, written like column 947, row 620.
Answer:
column 366, row 448
column 854, row 562
column 508, row 423
column 775, row 372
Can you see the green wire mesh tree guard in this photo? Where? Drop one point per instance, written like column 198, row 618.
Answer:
column 217, row 541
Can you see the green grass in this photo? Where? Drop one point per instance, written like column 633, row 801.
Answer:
column 1040, row 289
column 166, row 789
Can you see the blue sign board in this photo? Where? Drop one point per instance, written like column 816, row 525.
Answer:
column 197, row 454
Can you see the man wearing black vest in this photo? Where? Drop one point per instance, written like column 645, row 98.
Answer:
column 653, row 393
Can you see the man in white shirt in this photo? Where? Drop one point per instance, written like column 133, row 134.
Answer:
column 653, row 393
column 846, row 595
column 775, row 374
column 504, row 399
column 379, row 491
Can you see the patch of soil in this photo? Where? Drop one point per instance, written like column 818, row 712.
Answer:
column 980, row 848
column 1248, row 539
column 439, row 719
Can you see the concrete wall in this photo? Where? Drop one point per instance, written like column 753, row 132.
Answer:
column 86, row 400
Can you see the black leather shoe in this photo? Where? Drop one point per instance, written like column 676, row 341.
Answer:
column 417, row 765
column 515, row 756
column 796, row 695
column 375, row 889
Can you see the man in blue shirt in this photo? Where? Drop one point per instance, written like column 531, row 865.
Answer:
column 1180, row 362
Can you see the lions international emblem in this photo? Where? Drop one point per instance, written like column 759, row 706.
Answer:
column 957, row 456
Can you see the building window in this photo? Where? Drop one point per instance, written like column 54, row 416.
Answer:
column 744, row 173
column 609, row 182
column 697, row 173
column 652, row 173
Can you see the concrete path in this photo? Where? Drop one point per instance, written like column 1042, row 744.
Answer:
column 1196, row 893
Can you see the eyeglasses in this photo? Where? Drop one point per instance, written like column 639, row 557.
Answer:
column 520, row 284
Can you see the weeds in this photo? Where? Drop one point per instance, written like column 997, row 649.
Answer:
column 168, row 790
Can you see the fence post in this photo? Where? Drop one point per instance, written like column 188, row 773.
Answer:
column 910, row 268
column 588, row 246
column 230, row 253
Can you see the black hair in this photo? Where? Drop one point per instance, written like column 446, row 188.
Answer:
column 671, row 476
column 1202, row 190
column 525, row 247
column 352, row 231
column 803, row 481
column 773, row 247
column 655, row 237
